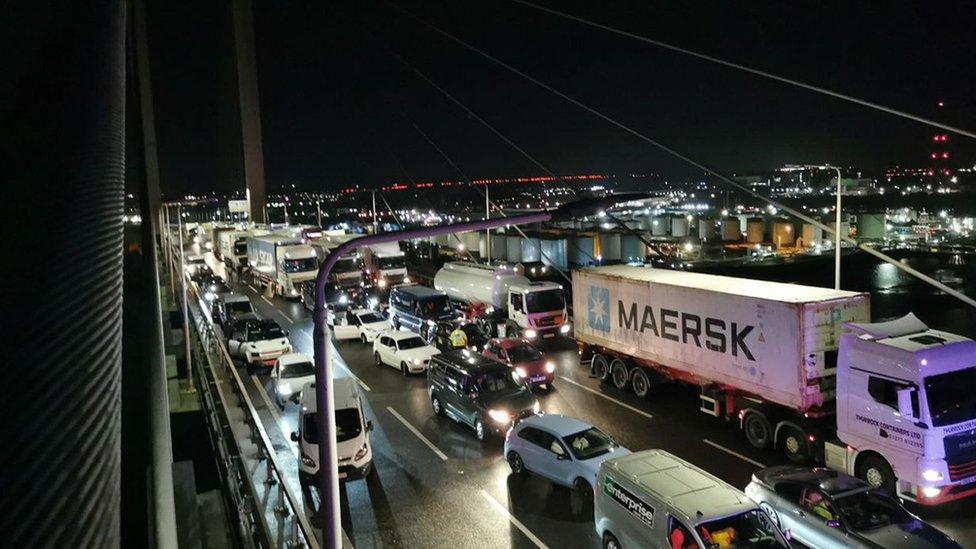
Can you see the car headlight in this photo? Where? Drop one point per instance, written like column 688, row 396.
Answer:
column 536, row 407
column 373, row 302
column 361, row 453
column 931, row 491
column 307, row 460
column 382, row 283
column 284, row 390
column 209, row 296
column 499, row 416
column 932, row 475
column 521, row 371
column 564, row 329
column 343, row 299
column 530, row 333
column 416, row 361
column 550, row 367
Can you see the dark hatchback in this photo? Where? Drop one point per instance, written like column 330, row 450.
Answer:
column 479, row 392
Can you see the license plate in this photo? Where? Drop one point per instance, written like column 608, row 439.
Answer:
column 538, row 378
column 549, row 335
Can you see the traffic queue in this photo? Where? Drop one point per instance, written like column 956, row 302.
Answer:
column 484, row 369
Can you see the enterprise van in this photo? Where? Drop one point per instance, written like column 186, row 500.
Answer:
column 416, row 307
column 655, row 499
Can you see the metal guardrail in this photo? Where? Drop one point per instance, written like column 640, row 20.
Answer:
column 269, row 512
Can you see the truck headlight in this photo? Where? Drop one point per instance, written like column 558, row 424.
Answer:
column 932, row 475
column 382, row 283
column 564, row 329
column 550, row 367
column 499, row 416
column 406, row 280
column 521, row 371
column 530, row 333
column 931, row 491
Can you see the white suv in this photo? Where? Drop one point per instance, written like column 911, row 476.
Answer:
column 403, row 350
column 258, row 342
column 352, row 434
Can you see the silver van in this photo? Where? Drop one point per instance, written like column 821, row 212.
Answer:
column 655, row 499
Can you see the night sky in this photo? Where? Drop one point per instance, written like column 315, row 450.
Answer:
column 338, row 106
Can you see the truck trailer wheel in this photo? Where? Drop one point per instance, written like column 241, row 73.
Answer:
column 876, row 471
column 601, row 368
column 758, row 431
column 795, row 445
column 619, row 373
column 640, row 382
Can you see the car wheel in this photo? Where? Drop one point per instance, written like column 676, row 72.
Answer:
column 377, row 359
column 396, row 323
column 619, row 374
column 770, row 513
column 640, row 383
column 479, row 429
column 404, row 369
column 582, row 490
column 435, row 403
column 362, row 337
column 758, row 430
column 795, row 445
column 601, row 368
column 610, row 541
column 515, row 462
column 876, row 471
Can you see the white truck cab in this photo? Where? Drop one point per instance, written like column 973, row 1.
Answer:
column 906, row 410
column 386, row 265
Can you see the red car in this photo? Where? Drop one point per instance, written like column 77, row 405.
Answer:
column 529, row 363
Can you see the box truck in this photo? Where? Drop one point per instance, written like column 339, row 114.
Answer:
column 798, row 368
column 386, row 265
column 500, row 295
column 282, row 263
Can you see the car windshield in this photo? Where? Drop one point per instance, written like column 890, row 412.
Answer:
column 395, row 262
column 348, row 426
column 869, row 510
column 264, row 332
column 239, row 306
column 545, row 301
column 296, row 369
column 410, row 343
column 524, row 353
column 347, row 265
column 500, row 381
column 750, row 529
column 589, row 443
column 370, row 318
column 301, row 265
column 951, row 397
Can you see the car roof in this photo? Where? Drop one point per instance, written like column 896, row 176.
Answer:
column 557, row 424
column 471, row 362
column 257, row 321
column 831, row 482
column 292, row 358
column 344, row 390
column 398, row 335
column 233, row 297
column 689, row 490
column 418, row 291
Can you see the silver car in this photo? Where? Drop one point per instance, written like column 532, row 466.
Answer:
column 826, row 509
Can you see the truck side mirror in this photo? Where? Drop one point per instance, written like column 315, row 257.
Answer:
column 294, row 436
column 905, row 408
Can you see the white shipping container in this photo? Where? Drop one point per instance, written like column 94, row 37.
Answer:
column 766, row 338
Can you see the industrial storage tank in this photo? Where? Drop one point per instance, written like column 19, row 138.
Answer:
column 706, row 228
column 660, row 226
column 499, row 247
column 679, row 226
column 514, row 248
column 555, row 252
column 755, row 230
column 530, row 250
column 581, row 250
column 610, row 246
column 783, row 233
column 871, row 226
column 812, row 235
column 731, row 230
column 632, row 249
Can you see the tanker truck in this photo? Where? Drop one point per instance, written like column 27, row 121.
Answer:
column 281, row 262
column 501, row 296
column 798, row 368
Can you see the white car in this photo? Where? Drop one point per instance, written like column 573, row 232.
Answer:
column 403, row 350
column 362, row 324
column 354, row 452
column 257, row 341
column 290, row 374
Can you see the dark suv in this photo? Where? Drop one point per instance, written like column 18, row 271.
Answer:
column 479, row 392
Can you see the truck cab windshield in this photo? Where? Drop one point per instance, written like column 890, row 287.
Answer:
column 434, row 307
column 395, row 262
column 950, row 396
column 347, row 265
column 240, row 247
column 301, row 265
column 545, row 301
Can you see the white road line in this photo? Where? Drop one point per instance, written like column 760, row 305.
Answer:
column 610, row 398
column 284, row 316
column 268, row 301
column 518, row 524
column 417, row 433
column 733, row 453
column 273, row 408
column 253, row 289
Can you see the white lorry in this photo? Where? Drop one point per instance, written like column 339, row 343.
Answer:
column 502, row 296
column 892, row 403
column 347, row 273
column 231, row 248
column 282, row 263
column 386, row 265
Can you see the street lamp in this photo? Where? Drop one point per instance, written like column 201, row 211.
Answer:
column 837, row 238
column 325, row 400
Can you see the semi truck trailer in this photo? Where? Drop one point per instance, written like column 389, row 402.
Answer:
column 503, row 296
column 282, row 263
column 798, row 368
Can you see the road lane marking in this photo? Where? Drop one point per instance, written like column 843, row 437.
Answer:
column 268, row 301
column 733, row 453
column 253, row 289
column 417, row 433
column 273, row 408
column 518, row 524
column 284, row 316
column 608, row 397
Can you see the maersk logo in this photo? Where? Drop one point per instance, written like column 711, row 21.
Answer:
column 598, row 309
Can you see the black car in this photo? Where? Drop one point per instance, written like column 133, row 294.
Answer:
column 212, row 287
column 478, row 392
column 439, row 335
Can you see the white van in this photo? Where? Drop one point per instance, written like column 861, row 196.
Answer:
column 654, row 499
column 352, row 434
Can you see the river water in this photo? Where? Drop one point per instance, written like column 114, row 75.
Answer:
column 893, row 292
